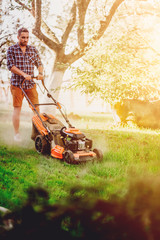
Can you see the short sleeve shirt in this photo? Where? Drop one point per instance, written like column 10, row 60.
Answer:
column 25, row 62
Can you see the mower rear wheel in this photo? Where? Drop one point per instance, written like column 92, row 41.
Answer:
column 98, row 153
column 41, row 145
column 69, row 157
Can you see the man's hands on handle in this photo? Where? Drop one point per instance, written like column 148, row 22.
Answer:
column 16, row 70
column 27, row 77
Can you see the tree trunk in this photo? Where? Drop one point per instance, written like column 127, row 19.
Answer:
column 53, row 85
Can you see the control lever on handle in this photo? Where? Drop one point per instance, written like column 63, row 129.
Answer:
column 36, row 78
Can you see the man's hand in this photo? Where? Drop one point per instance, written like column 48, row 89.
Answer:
column 17, row 71
column 27, row 77
column 40, row 77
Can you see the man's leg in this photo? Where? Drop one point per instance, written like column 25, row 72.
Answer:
column 16, row 119
column 17, row 103
column 33, row 96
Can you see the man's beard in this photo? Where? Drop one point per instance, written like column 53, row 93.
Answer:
column 23, row 44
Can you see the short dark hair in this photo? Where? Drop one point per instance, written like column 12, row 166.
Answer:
column 22, row 30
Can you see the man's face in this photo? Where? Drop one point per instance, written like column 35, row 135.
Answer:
column 23, row 39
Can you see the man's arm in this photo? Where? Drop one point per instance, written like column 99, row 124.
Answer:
column 11, row 64
column 16, row 70
column 39, row 65
column 40, row 70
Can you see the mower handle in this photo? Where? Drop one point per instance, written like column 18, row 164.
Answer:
column 36, row 77
column 54, row 100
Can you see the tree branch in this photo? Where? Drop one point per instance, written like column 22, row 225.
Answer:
column 49, row 32
column 51, row 44
column 38, row 15
column 82, row 8
column 74, row 55
column 33, row 8
column 3, row 43
column 104, row 24
column 1, row 60
column 70, row 24
column 6, row 36
column 23, row 5
column 77, row 53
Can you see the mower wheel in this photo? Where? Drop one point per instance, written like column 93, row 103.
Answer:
column 98, row 153
column 41, row 145
column 69, row 157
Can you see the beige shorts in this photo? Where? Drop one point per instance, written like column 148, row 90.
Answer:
column 18, row 96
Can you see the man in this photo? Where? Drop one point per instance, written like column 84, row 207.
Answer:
column 21, row 59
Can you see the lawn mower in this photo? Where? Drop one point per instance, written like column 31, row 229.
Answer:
column 53, row 138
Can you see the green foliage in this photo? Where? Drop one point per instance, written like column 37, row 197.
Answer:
column 119, row 69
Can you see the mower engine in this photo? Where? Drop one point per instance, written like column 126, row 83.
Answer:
column 74, row 140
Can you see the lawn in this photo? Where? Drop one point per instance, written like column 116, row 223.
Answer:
column 130, row 153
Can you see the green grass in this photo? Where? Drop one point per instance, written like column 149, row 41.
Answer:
column 129, row 153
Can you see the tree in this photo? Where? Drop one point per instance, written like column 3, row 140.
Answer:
column 81, row 29
column 119, row 68
column 5, row 33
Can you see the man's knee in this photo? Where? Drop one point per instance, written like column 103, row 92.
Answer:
column 16, row 112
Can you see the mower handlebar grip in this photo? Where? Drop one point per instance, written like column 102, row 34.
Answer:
column 34, row 77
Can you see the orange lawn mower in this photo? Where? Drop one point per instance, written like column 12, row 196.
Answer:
column 53, row 138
